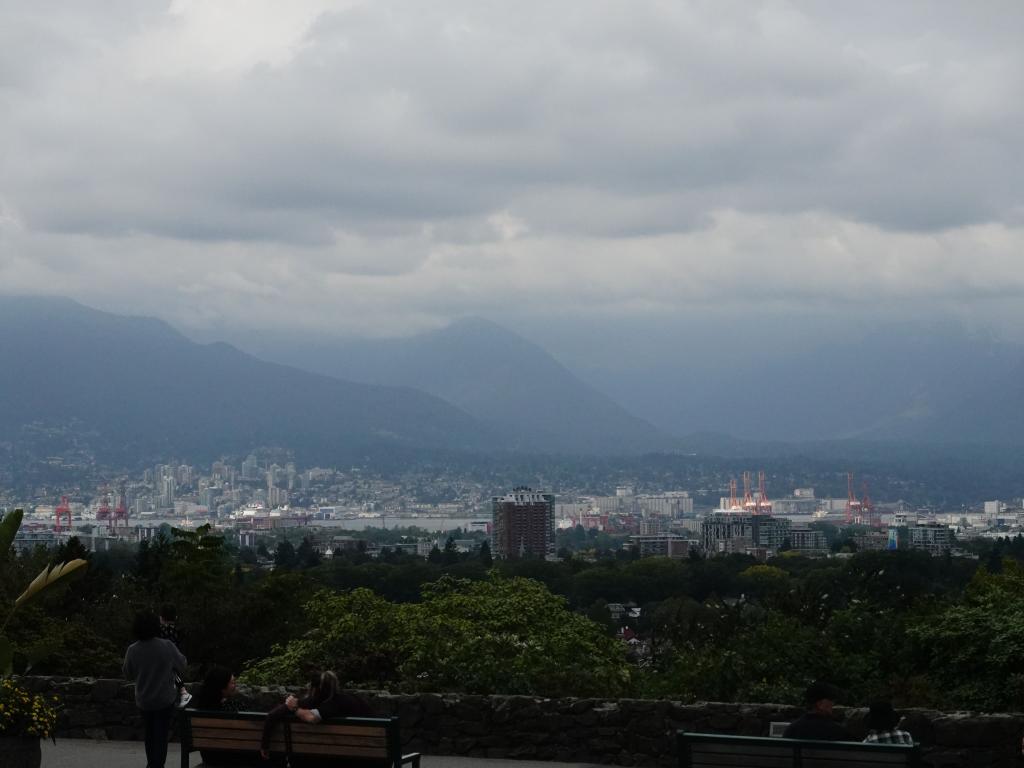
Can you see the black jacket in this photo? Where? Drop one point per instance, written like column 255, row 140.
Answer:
column 812, row 725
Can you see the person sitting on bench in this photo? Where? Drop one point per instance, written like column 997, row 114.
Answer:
column 881, row 722
column 817, row 723
column 324, row 699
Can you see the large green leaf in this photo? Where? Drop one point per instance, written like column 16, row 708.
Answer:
column 47, row 577
column 8, row 528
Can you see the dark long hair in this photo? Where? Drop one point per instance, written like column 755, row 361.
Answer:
column 881, row 716
column 210, row 695
column 146, row 625
column 329, row 686
column 322, row 686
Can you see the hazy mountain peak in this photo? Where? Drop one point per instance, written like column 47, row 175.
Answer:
column 144, row 391
column 38, row 312
column 491, row 373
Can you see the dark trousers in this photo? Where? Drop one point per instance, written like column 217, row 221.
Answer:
column 158, row 730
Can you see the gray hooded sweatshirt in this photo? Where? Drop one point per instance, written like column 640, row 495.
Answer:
column 151, row 664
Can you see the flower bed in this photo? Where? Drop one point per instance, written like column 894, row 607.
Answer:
column 26, row 714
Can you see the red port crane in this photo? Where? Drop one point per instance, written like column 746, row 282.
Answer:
column 63, row 510
column 103, row 513
column 764, row 506
column 121, row 513
column 748, row 495
column 853, row 504
column 871, row 517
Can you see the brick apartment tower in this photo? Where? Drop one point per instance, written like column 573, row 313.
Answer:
column 524, row 524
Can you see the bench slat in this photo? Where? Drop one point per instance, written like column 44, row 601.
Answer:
column 224, row 724
column 350, row 730
column 740, row 749
column 277, row 739
column 721, row 757
column 248, row 738
column 813, row 758
column 233, row 744
column 235, row 733
column 254, row 738
column 341, row 741
column 706, row 761
column 328, row 749
column 710, row 753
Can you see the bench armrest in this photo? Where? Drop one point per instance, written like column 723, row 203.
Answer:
column 412, row 757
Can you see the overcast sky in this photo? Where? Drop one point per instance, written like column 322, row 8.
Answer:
column 382, row 167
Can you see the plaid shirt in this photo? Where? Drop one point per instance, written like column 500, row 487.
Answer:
column 169, row 631
column 889, row 737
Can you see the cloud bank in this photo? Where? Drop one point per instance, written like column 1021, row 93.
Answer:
column 381, row 167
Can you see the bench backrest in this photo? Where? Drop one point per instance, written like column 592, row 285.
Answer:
column 373, row 739
column 364, row 738
column 229, row 731
column 714, row 750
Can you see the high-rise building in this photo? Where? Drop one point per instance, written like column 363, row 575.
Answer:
column 661, row 545
column 184, row 475
column 250, row 467
column 728, row 532
column 803, row 538
column 934, row 538
column 524, row 524
column 208, row 498
column 167, row 493
column 674, row 504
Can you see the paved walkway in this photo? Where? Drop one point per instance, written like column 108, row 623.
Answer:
column 83, row 753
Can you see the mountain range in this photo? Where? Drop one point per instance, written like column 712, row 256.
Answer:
column 140, row 390
column 496, row 376
column 909, row 383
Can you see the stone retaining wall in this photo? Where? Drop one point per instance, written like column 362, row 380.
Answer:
column 628, row 732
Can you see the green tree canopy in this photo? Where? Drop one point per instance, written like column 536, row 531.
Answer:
column 972, row 648
column 499, row 634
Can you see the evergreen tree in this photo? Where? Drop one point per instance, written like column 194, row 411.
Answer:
column 306, row 556
column 284, row 556
column 485, row 554
column 450, row 556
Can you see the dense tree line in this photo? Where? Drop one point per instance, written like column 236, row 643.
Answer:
column 942, row 632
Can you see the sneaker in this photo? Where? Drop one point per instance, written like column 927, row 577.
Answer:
column 186, row 697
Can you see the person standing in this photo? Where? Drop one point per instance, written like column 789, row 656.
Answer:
column 151, row 663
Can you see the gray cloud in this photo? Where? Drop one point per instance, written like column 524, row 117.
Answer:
column 383, row 166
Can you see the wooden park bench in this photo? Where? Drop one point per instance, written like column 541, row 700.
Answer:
column 370, row 740
column 715, row 750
